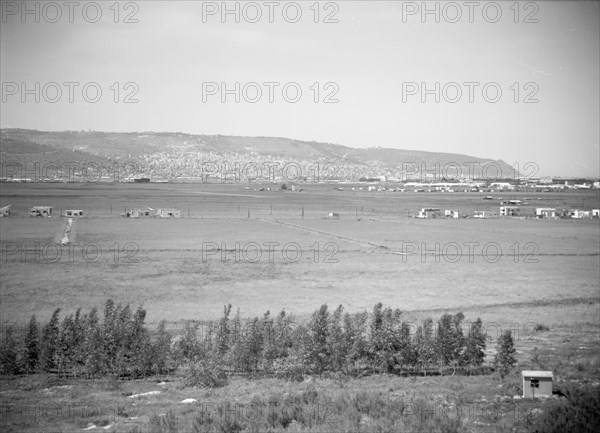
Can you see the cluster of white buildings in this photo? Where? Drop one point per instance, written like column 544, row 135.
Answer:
column 513, row 211
column 147, row 213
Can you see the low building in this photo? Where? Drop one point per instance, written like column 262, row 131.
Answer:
column 510, row 211
column 73, row 213
column 502, row 186
column 545, row 212
column 580, row 214
column 168, row 213
column 451, row 213
column 482, row 214
column 137, row 213
column 429, row 212
column 41, row 211
column 537, row 383
column 564, row 213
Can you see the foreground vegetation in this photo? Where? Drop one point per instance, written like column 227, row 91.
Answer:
column 379, row 403
column 335, row 373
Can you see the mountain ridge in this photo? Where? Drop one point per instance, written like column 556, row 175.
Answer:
column 168, row 154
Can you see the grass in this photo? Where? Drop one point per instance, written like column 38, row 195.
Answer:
column 173, row 281
column 376, row 403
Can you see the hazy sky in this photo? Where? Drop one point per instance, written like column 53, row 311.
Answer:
column 368, row 54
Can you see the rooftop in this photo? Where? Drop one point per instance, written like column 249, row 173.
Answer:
column 535, row 373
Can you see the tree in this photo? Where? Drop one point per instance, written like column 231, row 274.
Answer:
column 110, row 334
column 95, row 356
column 32, row 346
column 8, row 353
column 408, row 352
column 505, row 357
column 335, row 338
column 319, row 330
column 355, row 336
column 253, row 345
column 474, row 352
column 66, row 345
column 269, row 344
column 161, row 348
column 140, row 345
column 221, row 344
column 450, row 339
column 188, row 348
column 377, row 330
column 78, row 351
column 235, row 354
column 50, row 342
column 425, row 345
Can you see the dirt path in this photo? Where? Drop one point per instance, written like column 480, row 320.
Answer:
column 367, row 244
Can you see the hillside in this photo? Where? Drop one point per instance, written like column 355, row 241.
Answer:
column 179, row 155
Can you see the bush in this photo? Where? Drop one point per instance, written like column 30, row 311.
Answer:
column 205, row 375
column 164, row 424
column 290, row 367
column 578, row 412
column 540, row 327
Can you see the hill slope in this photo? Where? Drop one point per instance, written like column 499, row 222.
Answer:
column 179, row 155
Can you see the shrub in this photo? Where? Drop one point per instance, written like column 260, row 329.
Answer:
column 578, row 412
column 164, row 424
column 290, row 367
column 205, row 375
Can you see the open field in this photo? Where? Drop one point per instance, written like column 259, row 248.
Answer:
column 277, row 260
column 234, row 200
column 510, row 272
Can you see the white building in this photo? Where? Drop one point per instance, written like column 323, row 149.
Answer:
column 510, row 211
column 451, row 213
column 545, row 212
column 430, row 212
column 579, row 214
column 537, row 383
column 482, row 214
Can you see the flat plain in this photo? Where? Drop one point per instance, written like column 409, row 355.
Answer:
column 273, row 250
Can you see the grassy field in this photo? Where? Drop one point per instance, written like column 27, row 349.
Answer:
column 510, row 272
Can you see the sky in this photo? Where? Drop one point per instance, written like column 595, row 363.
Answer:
column 368, row 74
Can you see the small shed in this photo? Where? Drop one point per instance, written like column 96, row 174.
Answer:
column 482, row 214
column 41, row 211
column 137, row 213
column 580, row 214
column 450, row 213
column 510, row 211
column 168, row 213
column 537, row 383
column 429, row 212
column 545, row 212
column 73, row 213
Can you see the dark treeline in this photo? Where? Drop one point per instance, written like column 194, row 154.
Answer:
column 120, row 344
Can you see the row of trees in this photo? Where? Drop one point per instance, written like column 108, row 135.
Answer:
column 332, row 341
column 83, row 346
